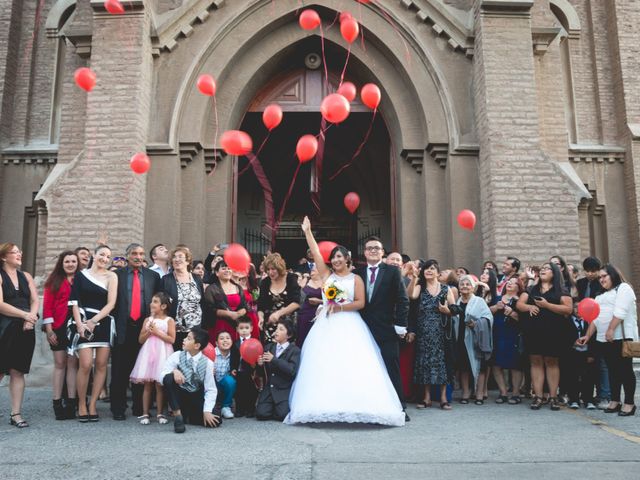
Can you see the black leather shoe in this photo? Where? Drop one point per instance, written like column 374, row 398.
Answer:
column 94, row 418
column 178, row 424
column 614, row 409
column 630, row 413
column 119, row 416
column 83, row 418
column 406, row 417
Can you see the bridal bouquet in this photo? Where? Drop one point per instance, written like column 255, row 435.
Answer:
column 334, row 294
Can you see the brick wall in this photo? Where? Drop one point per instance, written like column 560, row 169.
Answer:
column 526, row 205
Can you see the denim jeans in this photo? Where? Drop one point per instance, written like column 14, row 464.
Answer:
column 602, row 386
column 227, row 386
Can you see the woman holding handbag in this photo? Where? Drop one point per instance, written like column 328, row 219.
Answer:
column 18, row 316
column 617, row 323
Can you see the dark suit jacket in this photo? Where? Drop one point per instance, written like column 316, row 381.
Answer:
column 282, row 371
column 239, row 364
column 151, row 285
column 169, row 285
column 389, row 303
column 581, row 285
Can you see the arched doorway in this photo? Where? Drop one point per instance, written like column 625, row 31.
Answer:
column 315, row 193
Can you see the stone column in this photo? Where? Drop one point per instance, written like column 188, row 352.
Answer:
column 528, row 208
column 623, row 20
column 97, row 191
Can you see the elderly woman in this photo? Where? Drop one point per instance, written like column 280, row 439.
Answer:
column 185, row 291
column 18, row 316
column 545, row 309
column 224, row 303
column 472, row 323
column 55, row 308
column 617, row 322
column 433, row 362
column 279, row 295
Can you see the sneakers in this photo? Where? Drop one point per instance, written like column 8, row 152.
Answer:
column 227, row 413
column 591, row 406
column 574, row 405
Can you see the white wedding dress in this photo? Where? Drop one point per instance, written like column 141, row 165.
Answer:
column 342, row 377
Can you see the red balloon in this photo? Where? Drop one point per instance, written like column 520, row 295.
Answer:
column 207, row 85
column 326, row 249
column 348, row 90
column 344, row 15
column 85, row 78
column 309, row 19
column 588, row 310
column 335, row 108
column 236, row 142
column 140, row 163
column 250, row 350
column 272, row 116
column 237, row 258
column 210, row 352
column 467, row 219
column 349, row 29
column 306, row 148
column 370, row 95
column 352, row 201
column 114, row 7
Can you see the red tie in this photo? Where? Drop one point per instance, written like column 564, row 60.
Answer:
column 135, row 297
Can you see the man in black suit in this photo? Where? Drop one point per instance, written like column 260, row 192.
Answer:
column 307, row 265
column 589, row 286
column 136, row 286
column 386, row 308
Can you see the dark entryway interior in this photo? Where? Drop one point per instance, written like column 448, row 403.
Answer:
column 368, row 176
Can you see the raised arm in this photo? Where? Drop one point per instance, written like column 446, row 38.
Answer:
column 313, row 246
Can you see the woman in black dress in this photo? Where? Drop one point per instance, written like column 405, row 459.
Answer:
column 545, row 308
column 18, row 316
column 279, row 295
column 93, row 297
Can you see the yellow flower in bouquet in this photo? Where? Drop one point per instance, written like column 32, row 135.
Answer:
column 331, row 293
column 334, row 294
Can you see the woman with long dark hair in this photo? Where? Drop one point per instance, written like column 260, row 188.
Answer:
column 55, row 310
column 223, row 303
column 545, row 308
column 18, row 316
column 617, row 322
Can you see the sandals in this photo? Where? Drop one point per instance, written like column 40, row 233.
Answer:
column 445, row 406
column 536, row 404
column 422, row 405
column 464, row 401
column 502, row 399
column 162, row 420
column 21, row 424
column 515, row 400
column 554, row 404
column 144, row 419
column 479, row 402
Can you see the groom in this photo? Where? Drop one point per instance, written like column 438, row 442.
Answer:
column 386, row 309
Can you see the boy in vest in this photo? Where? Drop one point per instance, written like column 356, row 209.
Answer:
column 190, row 385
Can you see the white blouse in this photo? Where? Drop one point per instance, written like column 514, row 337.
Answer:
column 618, row 302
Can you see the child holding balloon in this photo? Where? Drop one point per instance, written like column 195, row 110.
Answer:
column 246, row 393
column 579, row 367
column 157, row 336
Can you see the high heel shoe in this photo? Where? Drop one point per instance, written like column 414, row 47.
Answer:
column 614, row 409
column 630, row 413
column 21, row 424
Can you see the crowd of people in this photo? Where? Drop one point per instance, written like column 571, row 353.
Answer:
column 173, row 331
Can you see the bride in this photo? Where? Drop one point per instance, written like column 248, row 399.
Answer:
column 342, row 377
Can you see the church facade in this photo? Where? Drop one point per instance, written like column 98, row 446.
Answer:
column 525, row 111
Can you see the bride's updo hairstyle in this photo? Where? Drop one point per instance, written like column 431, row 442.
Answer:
column 344, row 251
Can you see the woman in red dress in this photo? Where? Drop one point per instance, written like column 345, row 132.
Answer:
column 249, row 284
column 223, row 303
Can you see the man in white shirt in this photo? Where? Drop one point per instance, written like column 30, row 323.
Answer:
column 190, row 384
column 160, row 258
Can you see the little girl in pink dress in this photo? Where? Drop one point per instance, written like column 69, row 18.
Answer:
column 157, row 336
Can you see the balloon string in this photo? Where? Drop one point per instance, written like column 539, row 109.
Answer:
column 324, row 58
column 315, row 191
column 345, row 64
column 215, row 134
column 392, row 23
column 266, row 188
column 358, row 150
column 286, row 198
column 246, row 167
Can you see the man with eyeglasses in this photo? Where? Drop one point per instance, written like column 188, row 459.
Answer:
column 386, row 309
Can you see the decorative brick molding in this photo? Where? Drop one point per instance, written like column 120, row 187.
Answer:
column 506, row 8
column 188, row 151
column 30, row 156
column 596, row 154
column 415, row 157
column 212, row 156
column 439, row 152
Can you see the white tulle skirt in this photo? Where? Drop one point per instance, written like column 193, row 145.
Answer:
column 342, row 377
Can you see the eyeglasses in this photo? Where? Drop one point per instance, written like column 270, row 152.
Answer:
column 545, row 268
column 16, row 252
column 373, row 249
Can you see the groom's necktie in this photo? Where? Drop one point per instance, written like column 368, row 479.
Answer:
column 372, row 278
